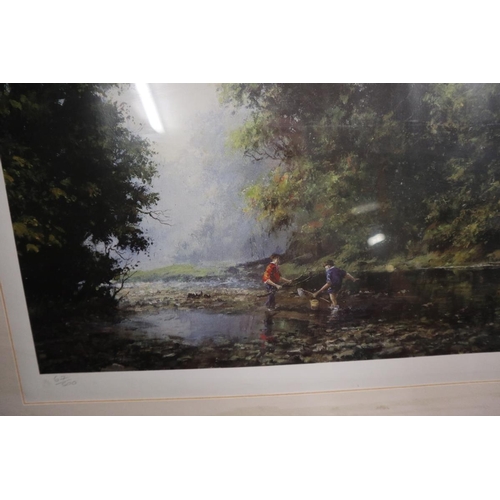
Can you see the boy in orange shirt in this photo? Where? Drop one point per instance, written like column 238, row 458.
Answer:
column 271, row 279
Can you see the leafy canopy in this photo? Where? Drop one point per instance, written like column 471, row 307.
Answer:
column 78, row 184
column 416, row 162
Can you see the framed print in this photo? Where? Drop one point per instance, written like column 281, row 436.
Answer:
column 170, row 241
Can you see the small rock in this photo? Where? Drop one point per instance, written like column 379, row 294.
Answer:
column 350, row 344
column 393, row 351
column 346, row 354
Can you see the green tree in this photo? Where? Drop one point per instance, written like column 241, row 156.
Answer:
column 464, row 216
column 336, row 148
column 352, row 160
column 78, row 184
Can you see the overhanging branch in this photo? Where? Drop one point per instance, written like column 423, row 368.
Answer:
column 158, row 215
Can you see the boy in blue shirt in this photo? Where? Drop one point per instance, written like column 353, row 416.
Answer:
column 334, row 278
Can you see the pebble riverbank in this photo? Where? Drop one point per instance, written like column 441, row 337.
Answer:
column 182, row 326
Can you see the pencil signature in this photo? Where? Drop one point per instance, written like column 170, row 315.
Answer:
column 64, row 380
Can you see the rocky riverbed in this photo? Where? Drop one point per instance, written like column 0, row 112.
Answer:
column 178, row 325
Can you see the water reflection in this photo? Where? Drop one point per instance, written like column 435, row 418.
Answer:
column 194, row 326
column 266, row 334
column 392, row 315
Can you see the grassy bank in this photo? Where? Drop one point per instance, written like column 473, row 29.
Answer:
column 178, row 271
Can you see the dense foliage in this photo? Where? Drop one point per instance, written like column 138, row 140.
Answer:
column 78, row 185
column 418, row 163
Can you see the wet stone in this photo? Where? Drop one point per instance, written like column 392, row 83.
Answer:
column 349, row 353
column 408, row 336
column 392, row 351
column 350, row 344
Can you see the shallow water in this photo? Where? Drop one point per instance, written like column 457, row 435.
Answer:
column 211, row 283
column 200, row 339
column 192, row 326
column 458, row 295
column 384, row 315
column 198, row 327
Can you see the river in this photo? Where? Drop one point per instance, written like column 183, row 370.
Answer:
column 218, row 323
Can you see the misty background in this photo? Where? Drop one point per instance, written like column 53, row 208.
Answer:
column 201, row 180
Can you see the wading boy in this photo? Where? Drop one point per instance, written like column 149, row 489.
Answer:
column 334, row 278
column 272, row 278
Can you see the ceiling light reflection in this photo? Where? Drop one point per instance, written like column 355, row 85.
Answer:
column 376, row 239
column 362, row 209
column 149, row 107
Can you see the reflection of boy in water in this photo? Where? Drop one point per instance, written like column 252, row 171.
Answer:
column 334, row 278
column 272, row 278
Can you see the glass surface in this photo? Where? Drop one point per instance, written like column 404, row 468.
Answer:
column 145, row 217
